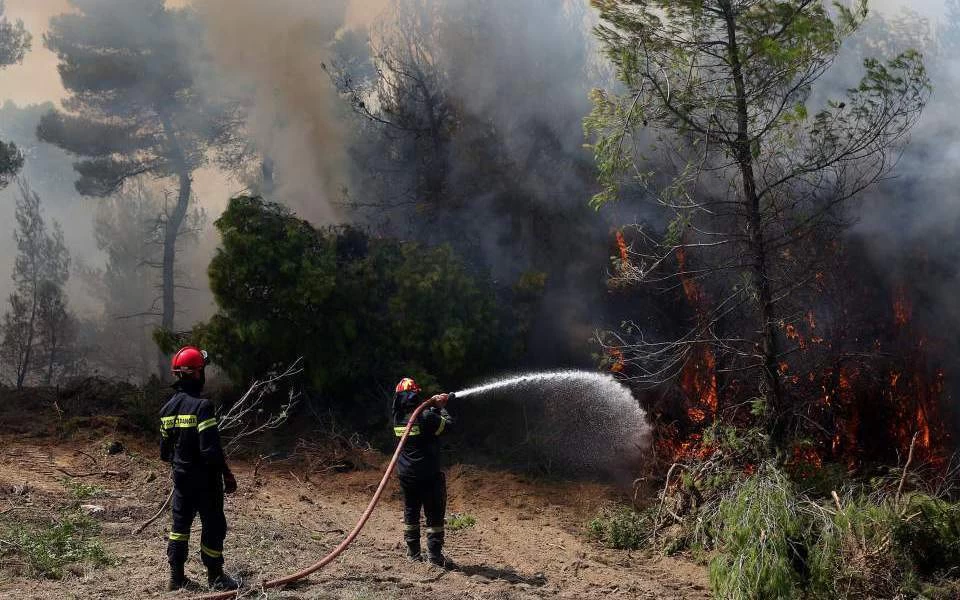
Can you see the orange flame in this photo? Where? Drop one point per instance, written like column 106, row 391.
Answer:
column 618, row 361
column 699, row 376
column 902, row 309
column 805, row 462
column 622, row 246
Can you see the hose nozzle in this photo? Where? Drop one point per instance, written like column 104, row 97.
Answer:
column 440, row 400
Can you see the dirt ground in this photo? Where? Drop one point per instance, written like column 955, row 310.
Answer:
column 528, row 542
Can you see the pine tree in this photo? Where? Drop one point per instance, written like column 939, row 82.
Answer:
column 38, row 318
column 722, row 89
column 15, row 42
column 133, row 107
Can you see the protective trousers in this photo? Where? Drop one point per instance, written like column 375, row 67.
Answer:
column 430, row 495
column 206, row 499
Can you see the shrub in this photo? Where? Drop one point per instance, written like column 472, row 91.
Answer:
column 80, row 491
column 771, row 541
column 622, row 528
column 929, row 534
column 458, row 521
column 69, row 540
column 759, row 531
column 852, row 551
column 350, row 304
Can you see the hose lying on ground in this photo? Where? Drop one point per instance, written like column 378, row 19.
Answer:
column 282, row 581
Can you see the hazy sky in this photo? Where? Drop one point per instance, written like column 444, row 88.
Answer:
column 36, row 80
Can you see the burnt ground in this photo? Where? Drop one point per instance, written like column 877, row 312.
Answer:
column 529, row 540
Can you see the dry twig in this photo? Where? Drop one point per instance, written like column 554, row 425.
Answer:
column 90, row 474
column 906, row 466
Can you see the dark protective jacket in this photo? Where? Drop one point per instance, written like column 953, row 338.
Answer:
column 420, row 458
column 189, row 438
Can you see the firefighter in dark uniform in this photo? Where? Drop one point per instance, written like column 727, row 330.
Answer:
column 423, row 483
column 190, row 442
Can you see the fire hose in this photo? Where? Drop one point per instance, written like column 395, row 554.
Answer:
column 282, row 581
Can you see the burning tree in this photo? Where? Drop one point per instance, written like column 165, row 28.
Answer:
column 762, row 176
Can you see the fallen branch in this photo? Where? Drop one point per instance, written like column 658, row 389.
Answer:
column 156, row 516
column 91, row 474
column 92, row 459
column 836, row 500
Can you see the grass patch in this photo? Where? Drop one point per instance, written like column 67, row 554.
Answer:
column 622, row 528
column 459, row 521
column 70, row 540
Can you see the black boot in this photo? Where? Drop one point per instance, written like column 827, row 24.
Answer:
column 220, row 581
column 435, row 550
column 413, row 551
column 411, row 536
column 437, row 559
column 178, row 580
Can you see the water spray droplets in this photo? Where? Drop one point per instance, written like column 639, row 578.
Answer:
column 587, row 420
column 600, row 381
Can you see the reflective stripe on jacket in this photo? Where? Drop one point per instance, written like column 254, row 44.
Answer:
column 189, row 437
column 420, row 457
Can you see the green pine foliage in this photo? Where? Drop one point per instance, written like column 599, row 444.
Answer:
column 759, row 532
column 357, row 308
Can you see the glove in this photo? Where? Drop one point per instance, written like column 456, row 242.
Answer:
column 229, row 483
column 440, row 400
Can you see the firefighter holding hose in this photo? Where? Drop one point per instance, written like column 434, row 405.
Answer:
column 423, row 483
column 190, row 442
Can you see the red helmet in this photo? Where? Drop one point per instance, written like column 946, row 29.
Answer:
column 407, row 385
column 188, row 360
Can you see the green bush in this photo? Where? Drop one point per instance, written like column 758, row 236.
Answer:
column 929, row 534
column 771, row 541
column 351, row 305
column 852, row 550
column 622, row 528
column 69, row 540
column 759, row 530
column 458, row 521
column 80, row 491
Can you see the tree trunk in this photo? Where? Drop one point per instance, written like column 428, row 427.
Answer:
column 24, row 367
column 769, row 351
column 51, row 359
column 170, row 235
column 172, row 232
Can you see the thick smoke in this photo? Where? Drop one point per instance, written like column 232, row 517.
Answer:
column 522, row 69
column 908, row 224
column 273, row 55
